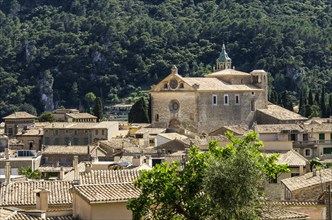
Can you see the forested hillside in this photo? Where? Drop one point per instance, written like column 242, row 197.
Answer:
column 55, row 52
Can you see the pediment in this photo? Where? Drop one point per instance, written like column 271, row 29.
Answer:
column 172, row 82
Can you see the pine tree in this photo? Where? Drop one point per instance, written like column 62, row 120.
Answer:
column 98, row 109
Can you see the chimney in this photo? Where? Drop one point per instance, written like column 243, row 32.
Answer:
column 62, row 173
column 7, row 153
column 42, row 199
column 88, row 166
column 76, row 177
column 7, row 174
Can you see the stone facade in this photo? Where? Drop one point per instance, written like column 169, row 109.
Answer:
column 204, row 104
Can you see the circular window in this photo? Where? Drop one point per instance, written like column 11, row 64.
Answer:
column 174, row 106
column 173, row 83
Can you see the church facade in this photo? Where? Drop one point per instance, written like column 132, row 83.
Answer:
column 204, row 104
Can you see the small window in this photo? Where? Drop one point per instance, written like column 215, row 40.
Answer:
column 103, row 132
column 226, row 99
column 156, row 117
column 252, row 93
column 165, row 86
column 75, row 132
column 305, row 137
column 151, row 142
column 181, row 86
column 321, row 136
column 293, row 137
column 96, row 132
column 237, row 99
column 214, row 100
column 327, row 150
column 307, row 152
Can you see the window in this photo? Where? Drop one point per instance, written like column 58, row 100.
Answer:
column 307, row 152
column 331, row 136
column 47, row 140
column 327, row 150
column 181, row 86
column 75, row 141
column 56, row 132
column 96, row 132
column 214, row 100
column 75, row 132
column 237, row 99
column 156, row 117
column 226, row 99
column 67, row 140
column 252, row 93
column 56, row 141
column 103, row 132
column 305, row 137
column 165, row 86
column 273, row 180
column 252, row 105
column 293, row 137
column 86, row 141
column 151, row 142
column 321, row 137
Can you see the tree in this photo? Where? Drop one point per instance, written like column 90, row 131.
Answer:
column 46, row 117
column 310, row 98
column 98, row 109
column 89, row 98
column 170, row 194
column 138, row 112
column 301, row 104
column 202, row 190
column 323, row 109
column 235, row 190
column 29, row 173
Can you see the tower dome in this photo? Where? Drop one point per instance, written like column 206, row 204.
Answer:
column 223, row 62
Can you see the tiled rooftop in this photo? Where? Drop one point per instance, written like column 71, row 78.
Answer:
column 277, row 212
column 277, row 128
column 214, row 84
column 307, row 180
column 291, row 157
column 108, row 176
column 80, row 115
column 107, row 192
column 66, row 150
column 172, row 136
column 79, row 125
column 150, row 130
column 23, row 216
column 22, row 193
column 324, row 127
column 231, row 72
column 31, row 132
column 20, row 115
column 281, row 113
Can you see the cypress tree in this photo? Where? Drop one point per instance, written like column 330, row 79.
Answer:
column 285, row 101
column 301, row 104
column 138, row 112
column 98, row 109
column 317, row 99
column 322, row 104
column 310, row 98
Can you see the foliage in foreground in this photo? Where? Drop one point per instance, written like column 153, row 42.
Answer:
column 223, row 183
column 29, row 173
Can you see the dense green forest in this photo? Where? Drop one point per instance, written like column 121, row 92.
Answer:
column 53, row 53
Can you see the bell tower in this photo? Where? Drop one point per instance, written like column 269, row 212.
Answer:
column 223, row 62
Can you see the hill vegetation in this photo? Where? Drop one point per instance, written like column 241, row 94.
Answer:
column 53, row 53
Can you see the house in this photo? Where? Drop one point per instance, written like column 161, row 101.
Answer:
column 78, row 133
column 31, row 138
column 80, row 117
column 147, row 137
column 60, row 114
column 103, row 201
column 17, row 122
column 308, row 187
column 166, row 137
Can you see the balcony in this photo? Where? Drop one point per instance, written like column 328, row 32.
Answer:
column 312, row 143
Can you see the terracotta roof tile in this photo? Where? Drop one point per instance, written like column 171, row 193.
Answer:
column 291, row 157
column 80, row 115
column 231, row 72
column 108, row 176
column 281, row 113
column 23, row 216
column 19, row 115
column 21, row 193
column 277, row 128
column 276, row 212
column 307, row 180
column 107, row 192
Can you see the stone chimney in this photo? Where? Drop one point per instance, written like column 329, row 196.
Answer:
column 42, row 199
column 7, row 173
column 76, row 176
column 7, row 153
column 62, row 173
column 88, row 166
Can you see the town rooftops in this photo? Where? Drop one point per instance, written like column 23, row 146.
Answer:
column 307, row 180
column 324, row 127
column 214, row 84
column 72, row 150
column 31, row 132
column 22, row 193
column 150, row 130
column 278, row 212
column 80, row 115
column 231, row 72
column 172, row 136
column 108, row 176
column 277, row 128
column 107, row 193
column 281, row 114
column 13, row 213
column 20, row 115
column 80, row 125
column 236, row 129
column 291, row 157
